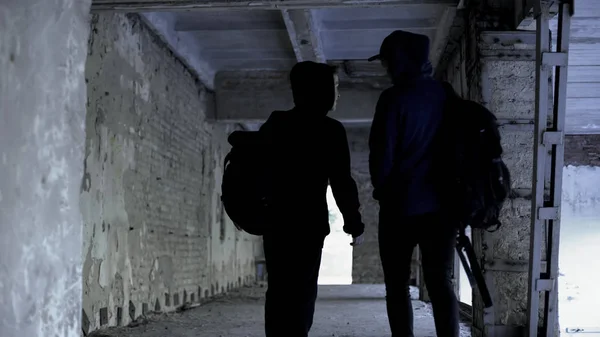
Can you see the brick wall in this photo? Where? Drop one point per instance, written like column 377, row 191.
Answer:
column 582, row 150
column 155, row 234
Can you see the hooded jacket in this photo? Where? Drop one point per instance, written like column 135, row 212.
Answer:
column 406, row 122
column 310, row 152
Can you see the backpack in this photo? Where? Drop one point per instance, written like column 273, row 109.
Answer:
column 246, row 187
column 477, row 182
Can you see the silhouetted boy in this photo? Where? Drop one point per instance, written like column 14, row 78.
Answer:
column 402, row 147
column 310, row 151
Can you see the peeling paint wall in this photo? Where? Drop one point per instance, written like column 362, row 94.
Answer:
column 42, row 112
column 155, row 234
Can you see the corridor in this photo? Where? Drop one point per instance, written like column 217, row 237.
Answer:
column 114, row 128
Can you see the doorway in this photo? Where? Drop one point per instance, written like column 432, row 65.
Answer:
column 465, row 292
column 336, row 263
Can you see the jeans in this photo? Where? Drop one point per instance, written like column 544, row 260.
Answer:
column 436, row 238
column 293, row 272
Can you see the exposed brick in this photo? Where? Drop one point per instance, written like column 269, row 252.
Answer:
column 153, row 166
column 582, row 150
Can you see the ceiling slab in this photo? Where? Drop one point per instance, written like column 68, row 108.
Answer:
column 239, row 39
column 193, row 5
column 229, row 20
column 374, row 24
column 422, row 11
column 357, row 33
column 358, row 45
column 250, row 65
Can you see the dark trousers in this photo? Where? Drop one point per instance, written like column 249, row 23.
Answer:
column 293, row 272
column 398, row 237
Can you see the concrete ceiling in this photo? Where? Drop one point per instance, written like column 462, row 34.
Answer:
column 241, row 39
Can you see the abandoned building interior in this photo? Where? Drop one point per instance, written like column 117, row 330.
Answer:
column 113, row 132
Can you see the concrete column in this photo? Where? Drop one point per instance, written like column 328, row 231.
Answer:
column 366, row 263
column 43, row 45
column 507, row 88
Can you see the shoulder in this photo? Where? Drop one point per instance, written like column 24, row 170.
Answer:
column 275, row 118
column 479, row 109
column 478, row 114
column 388, row 93
column 438, row 88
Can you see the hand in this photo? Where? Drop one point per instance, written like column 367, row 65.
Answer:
column 357, row 241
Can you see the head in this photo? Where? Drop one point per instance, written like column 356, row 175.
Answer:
column 405, row 55
column 314, row 87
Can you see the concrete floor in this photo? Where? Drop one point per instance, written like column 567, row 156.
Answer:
column 342, row 311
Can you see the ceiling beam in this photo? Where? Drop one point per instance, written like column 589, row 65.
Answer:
column 330, row 25
column 250, row 97
column 227, row 25
column 380, row 24
column 191, row 5
column 304, row 34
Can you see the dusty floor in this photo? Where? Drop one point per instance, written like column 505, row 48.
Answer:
column 342, row 311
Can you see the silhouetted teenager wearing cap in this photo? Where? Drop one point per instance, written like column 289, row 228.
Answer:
column 310, row 151
column 402, row 146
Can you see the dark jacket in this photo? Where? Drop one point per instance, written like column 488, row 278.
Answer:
column 311, row 152
column 403, row 134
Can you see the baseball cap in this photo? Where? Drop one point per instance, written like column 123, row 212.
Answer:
column 399, row 38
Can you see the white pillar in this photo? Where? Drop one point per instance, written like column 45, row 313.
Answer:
column 43, row 47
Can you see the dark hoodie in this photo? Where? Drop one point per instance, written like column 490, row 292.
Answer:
column 311, row 152
column 407, row 118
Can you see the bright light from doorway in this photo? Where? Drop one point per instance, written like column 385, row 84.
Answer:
column 336, row 263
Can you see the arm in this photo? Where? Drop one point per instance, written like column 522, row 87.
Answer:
column 343, row 185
